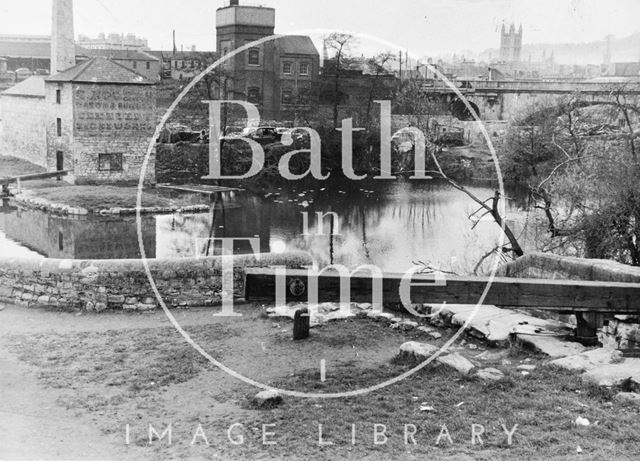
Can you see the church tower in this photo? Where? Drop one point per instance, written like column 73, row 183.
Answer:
column 510, row 44
column 63, row 48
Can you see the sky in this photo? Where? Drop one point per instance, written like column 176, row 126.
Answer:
column 424, row 27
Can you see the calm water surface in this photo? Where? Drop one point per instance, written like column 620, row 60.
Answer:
column 386, row 223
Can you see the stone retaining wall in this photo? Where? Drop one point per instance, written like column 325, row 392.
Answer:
column 123, row 284
column 622, row 331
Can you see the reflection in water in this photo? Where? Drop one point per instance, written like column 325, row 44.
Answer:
column 64, row 237
column 389, row 224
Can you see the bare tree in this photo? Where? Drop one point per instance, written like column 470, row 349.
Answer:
column 341, row 45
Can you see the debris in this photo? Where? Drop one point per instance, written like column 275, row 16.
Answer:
column 526, row 367
column 268, row 398
column 490, row 374
column 580, row 421
column 435, row 334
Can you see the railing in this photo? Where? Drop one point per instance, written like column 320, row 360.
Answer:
column 29, row 177
column 589, row 301
column 466, row 86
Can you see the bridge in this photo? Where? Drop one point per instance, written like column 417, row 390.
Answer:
column 502, row 99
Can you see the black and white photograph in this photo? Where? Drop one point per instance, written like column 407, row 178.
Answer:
column 319, row 230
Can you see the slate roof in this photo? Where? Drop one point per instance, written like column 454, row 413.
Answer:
column 33, row 87
column 100, row 70
column 296, row 44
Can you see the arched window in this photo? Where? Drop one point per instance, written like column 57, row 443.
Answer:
column 254, row 57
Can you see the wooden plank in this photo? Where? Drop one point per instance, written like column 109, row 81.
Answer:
column 203, row 190
column 568, row 296
column 34, row 176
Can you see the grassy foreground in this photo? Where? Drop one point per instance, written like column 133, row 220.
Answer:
column 152, row 376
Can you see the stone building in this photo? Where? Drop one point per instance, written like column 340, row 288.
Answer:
column 510, row 44
column 94, row 119
column 101, row 120
column 276, row 75
column 139, row 61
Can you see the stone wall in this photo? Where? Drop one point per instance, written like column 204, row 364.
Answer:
column 22, row 128
column 622, row 331
column 113, row 119
column 123, row 284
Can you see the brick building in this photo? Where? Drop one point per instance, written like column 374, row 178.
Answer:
column 276, row 75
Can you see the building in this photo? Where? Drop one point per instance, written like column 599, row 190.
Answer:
column 114, row 41
column 181, row 65
column 276, row 75
column 31, row 52
column 139, row 61
column 510, row 44
column 95, row 119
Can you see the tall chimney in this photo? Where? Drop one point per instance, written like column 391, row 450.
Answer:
column 63, row 48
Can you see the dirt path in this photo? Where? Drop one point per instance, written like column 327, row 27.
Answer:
column 32, row 424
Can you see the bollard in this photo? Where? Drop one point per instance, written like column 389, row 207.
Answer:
column 301, row 324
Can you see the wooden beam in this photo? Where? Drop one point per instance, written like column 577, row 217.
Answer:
column 568, row 296
column 34, row 176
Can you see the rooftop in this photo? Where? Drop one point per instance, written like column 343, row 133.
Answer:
column 296, row 44
column 100, row 70
column 32, row 87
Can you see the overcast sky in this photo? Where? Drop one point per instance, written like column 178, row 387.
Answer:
column 424, row 27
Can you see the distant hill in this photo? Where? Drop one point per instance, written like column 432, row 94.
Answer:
column 626, row 49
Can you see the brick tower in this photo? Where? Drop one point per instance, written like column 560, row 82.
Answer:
column 63, row 49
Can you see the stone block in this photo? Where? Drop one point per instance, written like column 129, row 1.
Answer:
column 457, row 362
column 417, row 351
column 588, row 360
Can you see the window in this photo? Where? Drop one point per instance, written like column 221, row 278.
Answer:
column 58, row 96
column 148, row 65
column 304, row 68
column 59, row 126
column 254, row 57
column 286, row 68
column 253, row 95
column 287, row 96
column 110, row 162
column 135, row 64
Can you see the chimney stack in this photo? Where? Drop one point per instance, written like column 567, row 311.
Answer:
column 63, row 47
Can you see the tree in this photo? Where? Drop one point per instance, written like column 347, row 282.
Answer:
column 341, row 45
column 583, row 171
column 378, row 66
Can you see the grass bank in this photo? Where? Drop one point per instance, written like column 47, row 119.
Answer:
column 89, row 197
column 152, row 376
